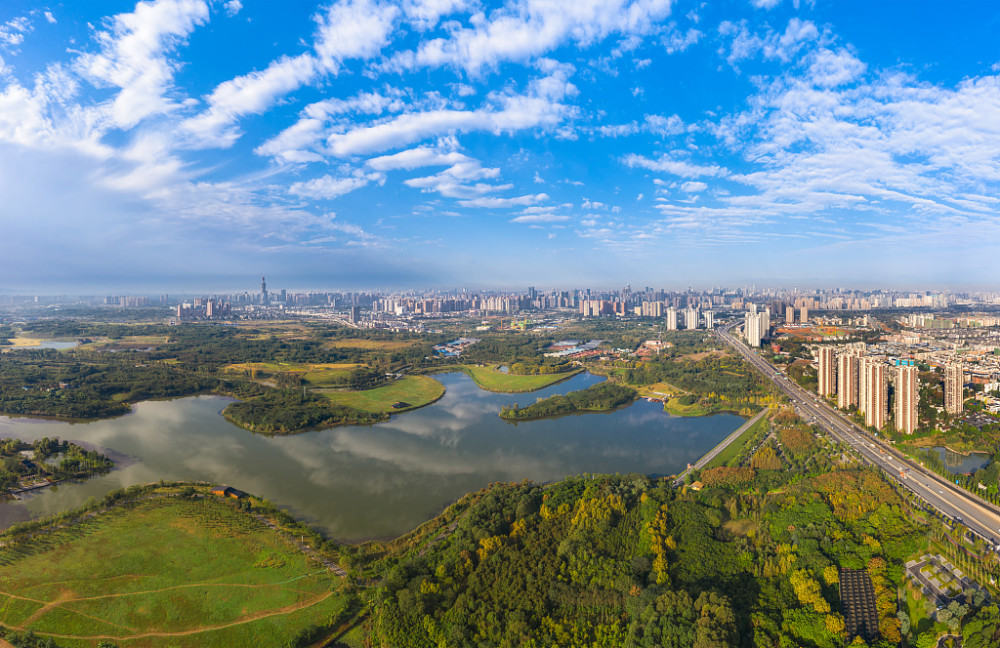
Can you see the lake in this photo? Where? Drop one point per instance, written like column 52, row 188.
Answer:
column 962, row 464
column 376, row 481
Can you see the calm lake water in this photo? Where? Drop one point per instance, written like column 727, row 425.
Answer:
column 377, row 481
column 958, row 463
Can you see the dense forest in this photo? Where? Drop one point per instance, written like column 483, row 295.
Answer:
column 750, row 561
column 279, row 412
column 601, row 397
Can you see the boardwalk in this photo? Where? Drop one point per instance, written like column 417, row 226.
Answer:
column 714, row 452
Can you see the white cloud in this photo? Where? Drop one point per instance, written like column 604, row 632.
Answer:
column 588, row 204
column 134, row 57
column 667, row 164
column 425, row 14
column 520, row 32
column 765, row 4
column 233, row 7
column 348, row 29
column 653, row 124
column 353, row 29
column 302, row 142
column 12, row 32
column 498, row 203
column 676, row 41
column 771, row 45
column 422, row 156
column 328, row 187
column 251, row 93
column 49, row 17
column 540, row 107
column 830, row 69
column 693, row 186
column 540, row 218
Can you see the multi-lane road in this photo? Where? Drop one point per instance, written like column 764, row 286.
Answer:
column 979, row 517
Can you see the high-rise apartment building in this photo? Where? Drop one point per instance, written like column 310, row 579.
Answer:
column 827, row 373
column 847, row 380
column 789, row 314
column 876, row 393
column 906, row 399
column 671, row 319
column 954, row 382
column 752, row 328
column 804, row 314
column 709, row 320
column 691, row 318
column 863, row 363
column 652, row 309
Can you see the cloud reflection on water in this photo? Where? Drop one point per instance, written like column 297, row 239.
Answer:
column 384, row 479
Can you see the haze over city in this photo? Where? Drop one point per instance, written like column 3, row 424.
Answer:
column 192, row 145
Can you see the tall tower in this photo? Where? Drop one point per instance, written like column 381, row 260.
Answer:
column 876, row 394
column 827, row 384
column 906, row 399
column 691, row 318
column 954, row 381
column 847, row 380
column 671, row 319
column 263, row 291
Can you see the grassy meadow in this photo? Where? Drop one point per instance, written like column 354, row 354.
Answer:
column 488, row 378
column 415, row 391
column 169, row 572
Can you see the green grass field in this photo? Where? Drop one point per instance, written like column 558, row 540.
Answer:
column 170, row 572
column 415, row 391
column 314, row 374
column 490, row 379
column 734, row 448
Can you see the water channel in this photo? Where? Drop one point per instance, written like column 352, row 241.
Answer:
column 376, row 481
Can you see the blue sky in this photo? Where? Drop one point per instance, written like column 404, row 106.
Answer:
column 195, row 144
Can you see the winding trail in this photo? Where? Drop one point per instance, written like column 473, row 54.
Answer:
column 256, row 616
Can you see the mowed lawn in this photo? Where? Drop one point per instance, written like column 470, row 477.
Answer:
column 170, row 572
column 415, row 391
column 488, row 378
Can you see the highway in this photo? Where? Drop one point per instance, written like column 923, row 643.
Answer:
column 978, row 516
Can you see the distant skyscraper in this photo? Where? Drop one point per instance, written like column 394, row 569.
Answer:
column 752, row 328
column 847, row 380
column 691, row 318
column 863, row 362
column 789, row 315
column 671, row 319
column 954, row 382
column 906, row 399
column 827, row 382
column 876, row 394
column 804, row 314
column 263, row 291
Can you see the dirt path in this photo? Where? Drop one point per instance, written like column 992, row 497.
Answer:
column 256, row 616
column 63, row 597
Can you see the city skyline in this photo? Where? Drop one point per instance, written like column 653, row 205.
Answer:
column 433, row 144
